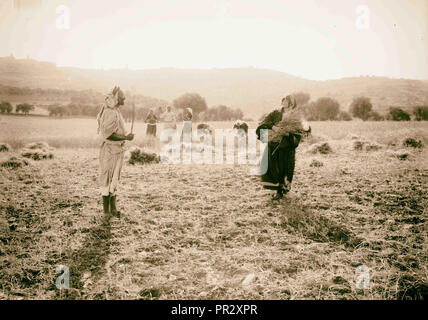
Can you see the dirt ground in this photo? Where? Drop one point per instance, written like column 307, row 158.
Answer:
column 212, row 232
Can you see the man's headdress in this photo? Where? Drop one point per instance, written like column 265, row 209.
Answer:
column 111, row 100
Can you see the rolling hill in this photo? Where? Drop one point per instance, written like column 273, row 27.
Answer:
column 253, row 90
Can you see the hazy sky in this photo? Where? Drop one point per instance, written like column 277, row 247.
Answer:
column 314, row 39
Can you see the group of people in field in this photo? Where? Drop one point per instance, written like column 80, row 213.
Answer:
column 285, row 133
column 169, row 119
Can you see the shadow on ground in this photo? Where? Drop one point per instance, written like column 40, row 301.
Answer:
column 88, row 262
column 299, row 219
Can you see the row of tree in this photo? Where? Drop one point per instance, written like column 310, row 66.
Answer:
column 88, row 103
column 143, row 104
column 7, row 108
column 201, row 112
column 221, row 113
column 363, row 109
column 323, row 109
column 326, row 108
column 79, row 110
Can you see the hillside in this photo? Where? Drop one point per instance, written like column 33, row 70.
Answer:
column 253, row 90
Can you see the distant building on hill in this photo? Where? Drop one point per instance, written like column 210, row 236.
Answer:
column 11, row 64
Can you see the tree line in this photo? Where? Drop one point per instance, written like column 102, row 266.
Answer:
column 88, row 102
column 7, row 108
column 326, row 108
column 188, row 100
column 202, row 112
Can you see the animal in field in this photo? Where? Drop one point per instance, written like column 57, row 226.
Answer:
column 204, row 127
column 240, row 125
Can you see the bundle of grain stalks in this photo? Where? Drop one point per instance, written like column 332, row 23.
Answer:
column 414, row 143
column 281, row 124
column 360, row 145
column 399, row 154
column 373, row 146
column 4, row 147
column 322, row 148
column 138, row 155
column 316, row 164
column 37, row 145
column 37, row 151
column 12, row 162
column 285, row 128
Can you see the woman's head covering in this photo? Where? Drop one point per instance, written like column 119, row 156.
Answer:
column 291, row 104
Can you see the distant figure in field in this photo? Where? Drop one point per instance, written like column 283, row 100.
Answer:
column 187, row 120
column 112, row 129
column 169, row 119
column 151, row 121
column 285, row 130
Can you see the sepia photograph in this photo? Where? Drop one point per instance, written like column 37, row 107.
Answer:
column 213, row 150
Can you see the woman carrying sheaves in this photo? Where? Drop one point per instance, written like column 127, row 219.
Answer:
column 285, row 129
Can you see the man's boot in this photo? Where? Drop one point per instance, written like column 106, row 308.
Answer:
column 113, row 209
column 106, row 204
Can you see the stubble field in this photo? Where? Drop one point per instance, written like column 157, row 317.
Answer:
column 211, row 231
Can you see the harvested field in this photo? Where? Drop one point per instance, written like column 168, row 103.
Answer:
column 211, row 231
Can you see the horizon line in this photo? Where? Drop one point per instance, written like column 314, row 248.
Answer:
column 126, row 68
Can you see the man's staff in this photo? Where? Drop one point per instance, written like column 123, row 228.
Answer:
column 133, row 117
column 133, row 110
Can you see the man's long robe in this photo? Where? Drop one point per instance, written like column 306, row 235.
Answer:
column 111, row 152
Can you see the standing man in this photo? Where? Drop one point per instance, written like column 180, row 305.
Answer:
column 151, row 121
column 169, row 119
column 112, row 129
column 187, row 120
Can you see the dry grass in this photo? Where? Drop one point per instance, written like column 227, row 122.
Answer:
column 198, row 231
